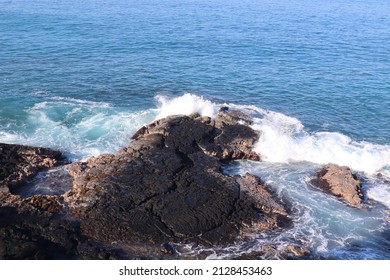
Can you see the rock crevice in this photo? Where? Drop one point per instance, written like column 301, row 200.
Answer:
column 173, row 166
column 166, row 186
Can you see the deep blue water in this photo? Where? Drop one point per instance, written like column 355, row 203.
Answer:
column 82, row 76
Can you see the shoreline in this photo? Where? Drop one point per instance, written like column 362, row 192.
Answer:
column 144, row 200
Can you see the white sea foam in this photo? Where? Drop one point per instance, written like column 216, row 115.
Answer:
column 321, row 222
column 185, row 105
column 79, row 129
column 68, row 123
column 100, row 133
column 70, row 100
column 284, row 139
column 7, row 137
column 381, row 193
column 62, row 101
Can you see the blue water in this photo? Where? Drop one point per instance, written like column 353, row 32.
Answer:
column 82, row 76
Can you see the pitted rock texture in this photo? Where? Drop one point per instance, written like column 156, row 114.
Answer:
column 19, row 163
column 168, row 185
column 35, row 227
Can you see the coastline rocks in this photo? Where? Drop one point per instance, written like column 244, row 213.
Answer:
column 35, row 227
column 340, row 182
column 30, row 231
column 19, row 163
column 227, row 136
column 168, row 186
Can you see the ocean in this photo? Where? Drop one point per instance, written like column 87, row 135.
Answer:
column 83, row 76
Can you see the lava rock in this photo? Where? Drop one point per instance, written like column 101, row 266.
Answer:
column 37, row 227
column 19, row 163
column 168, row 186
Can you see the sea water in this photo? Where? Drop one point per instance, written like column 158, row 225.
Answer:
column 83, row 76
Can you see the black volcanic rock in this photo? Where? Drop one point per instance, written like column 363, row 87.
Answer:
column 168, row 185
column 29, row 232
column 19, row 163
column 35, row 227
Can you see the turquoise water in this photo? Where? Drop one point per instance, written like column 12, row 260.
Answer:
column 82, row 76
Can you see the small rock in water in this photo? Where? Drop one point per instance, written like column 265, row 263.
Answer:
column 340, row 182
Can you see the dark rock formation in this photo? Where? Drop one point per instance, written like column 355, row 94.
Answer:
column 19, row 163
column 339, row 181
column 168, row 186
column 29, row 231
column 35, row 227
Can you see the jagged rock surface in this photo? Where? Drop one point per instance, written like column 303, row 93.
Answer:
column 341, row 182
column 19, row 163
column 34, row 227
column 168, row 185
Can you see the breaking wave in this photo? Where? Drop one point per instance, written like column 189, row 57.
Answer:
column 285, row 139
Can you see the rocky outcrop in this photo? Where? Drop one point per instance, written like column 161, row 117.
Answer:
column 340, row 182
column 35, row 227
column 168, row 186
column 226, row 137
column 19, row 163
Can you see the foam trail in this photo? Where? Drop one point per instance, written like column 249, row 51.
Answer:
column 7, row 137
column 380, row 192
column 78, row 128
column 73, row 101
column 284, row 139
column 89, row 128
column 185, row 105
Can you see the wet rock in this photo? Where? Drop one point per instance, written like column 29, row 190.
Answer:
column 293, row 251
column 227, row 136
column 272, row 252
column 48, row 203
column 19, row 163
column 340, row 182
column 27, row 232
column 36, row 227
column 168, row 186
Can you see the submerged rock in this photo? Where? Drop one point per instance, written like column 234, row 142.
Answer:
column 168, row 186
column 341, row 182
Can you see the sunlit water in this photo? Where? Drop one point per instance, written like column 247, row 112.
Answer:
column 83, row 76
